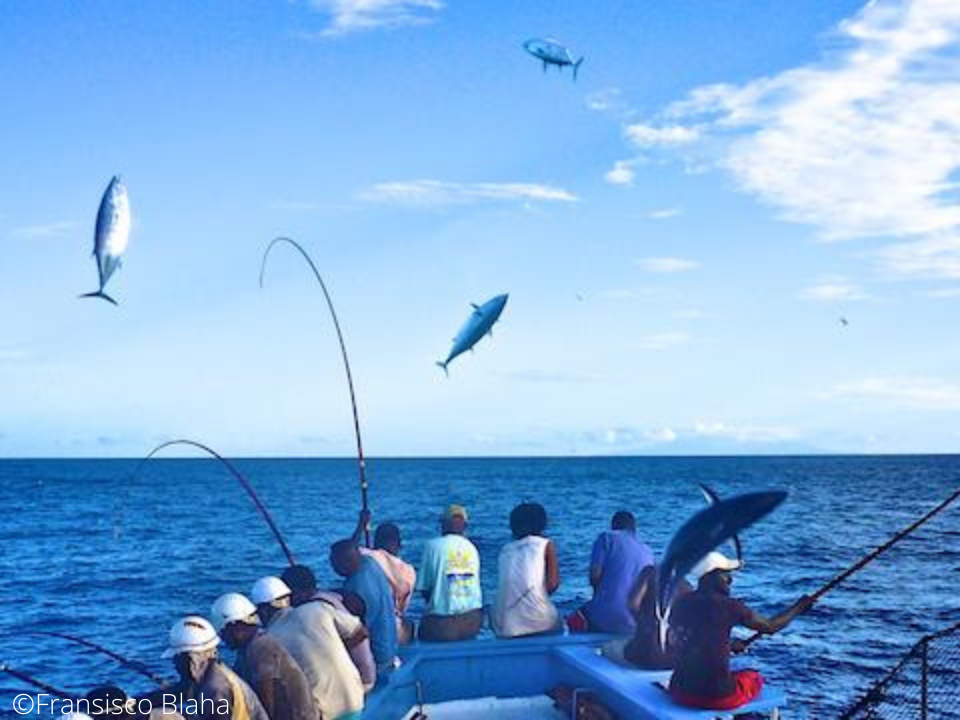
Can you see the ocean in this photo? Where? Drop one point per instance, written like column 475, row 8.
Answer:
column 88, row 549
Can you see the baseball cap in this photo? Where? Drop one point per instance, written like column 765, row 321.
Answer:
column 714, row 561
column 453, row 511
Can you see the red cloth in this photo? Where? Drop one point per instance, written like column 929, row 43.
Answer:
column 749, row 683
column 577, row 622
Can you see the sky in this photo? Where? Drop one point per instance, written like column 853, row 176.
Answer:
column 680, row 230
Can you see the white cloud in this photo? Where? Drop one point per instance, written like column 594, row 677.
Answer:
column 660, row 435
column 434, row 193
column 621, row 173
column 348, row 16
column 943, row 293
column 923, row 393
column 648, row 136
column 835, row 291
column 608, row 100
column 664, row 213
column 666, row 265
column 688, row 314
column 745, row 433
column 664, row 341
column 864, row 143
column 49, row 230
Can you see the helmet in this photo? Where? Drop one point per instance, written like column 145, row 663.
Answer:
column 267, row 589
column 232, row 607
column 191, row 634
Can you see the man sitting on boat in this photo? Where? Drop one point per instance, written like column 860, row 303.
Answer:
column 303, row 586
column 528, row 573
column 616, row 562
column 364, row 578
column 317, row 635
column 261, row 661
column 208, row 688
column 400, row 574
column 449, row 580
column 700, row 623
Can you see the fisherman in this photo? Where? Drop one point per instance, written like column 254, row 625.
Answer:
column 364, row 577
column 262, row 661
column 317, row 634
column 449, row 580
column 645, row 649
column 617, row 559
column 701, row 622
column 304, row 588
column 208, row 688
column 528, row 574
column 271, row 594
column 400, row 574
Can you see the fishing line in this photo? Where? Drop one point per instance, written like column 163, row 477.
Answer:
column 346, row 365
column 240, row 478
column 870, row 557
column 56, row 692
column 134, row 665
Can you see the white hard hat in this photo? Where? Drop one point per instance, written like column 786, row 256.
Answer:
column 232, row 607
column 191, row 634
column 267, row 589
column 714, row 561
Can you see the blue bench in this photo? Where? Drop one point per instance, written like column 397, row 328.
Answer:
column 635, row 693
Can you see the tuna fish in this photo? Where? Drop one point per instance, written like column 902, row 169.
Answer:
column 479, row 323
column 702, row 533
column 111, row 234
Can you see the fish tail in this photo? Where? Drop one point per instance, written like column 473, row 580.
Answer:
column 100, row 294
column 443, row 365
column 576, row 67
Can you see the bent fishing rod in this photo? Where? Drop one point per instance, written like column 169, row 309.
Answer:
column 870, row 557
column 23, row 677
column 133, row 665
column 240, row 478
column 346, row 365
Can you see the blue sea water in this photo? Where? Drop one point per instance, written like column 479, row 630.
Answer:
column 87, row 549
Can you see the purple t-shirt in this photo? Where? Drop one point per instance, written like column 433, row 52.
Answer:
column 621, row 558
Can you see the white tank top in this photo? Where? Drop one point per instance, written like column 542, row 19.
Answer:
column 523, row 606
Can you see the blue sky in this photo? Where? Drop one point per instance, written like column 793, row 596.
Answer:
column 680, row 230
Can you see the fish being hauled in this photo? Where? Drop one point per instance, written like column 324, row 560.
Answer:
column 479, row 323
column 111, row 235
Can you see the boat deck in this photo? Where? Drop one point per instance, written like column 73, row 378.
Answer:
column 435, row 673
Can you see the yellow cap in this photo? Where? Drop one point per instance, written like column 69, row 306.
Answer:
column 453, row 511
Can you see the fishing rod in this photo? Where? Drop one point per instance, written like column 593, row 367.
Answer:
column 134, row 665
column 49, row 689
column 346, row 365
column 240, row 478
column 870, row 557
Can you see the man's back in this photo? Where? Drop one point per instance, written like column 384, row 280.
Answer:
column 700, row 623
column 371, row 585
column 272, row 672
column 314, row 634
column 620, row 557
column 450, row 572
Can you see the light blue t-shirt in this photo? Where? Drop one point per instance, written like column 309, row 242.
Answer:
column 450, row 572
column 371, row 585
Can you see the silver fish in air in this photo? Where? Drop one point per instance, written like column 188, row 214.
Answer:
column 111, row 235
column 479, row 323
